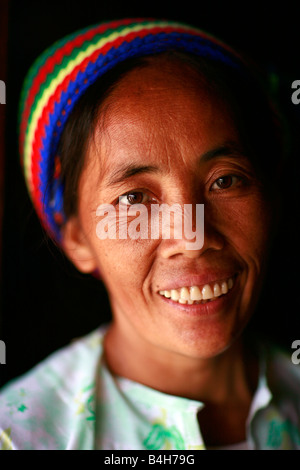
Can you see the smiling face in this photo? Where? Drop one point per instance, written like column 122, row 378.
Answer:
column 164, row 138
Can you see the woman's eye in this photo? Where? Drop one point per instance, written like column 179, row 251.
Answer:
column 225, row 182
column 130, row 199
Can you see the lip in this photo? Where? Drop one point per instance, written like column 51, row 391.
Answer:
column 214, row 306
column 189, row 280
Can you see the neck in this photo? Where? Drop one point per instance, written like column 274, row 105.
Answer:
column 227, row 378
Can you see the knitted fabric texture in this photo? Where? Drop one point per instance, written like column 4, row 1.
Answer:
column 62, row 74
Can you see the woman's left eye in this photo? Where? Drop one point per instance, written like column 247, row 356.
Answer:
column 225, row 182
column 136, row 197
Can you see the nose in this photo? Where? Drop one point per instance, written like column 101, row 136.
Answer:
column 204, row 232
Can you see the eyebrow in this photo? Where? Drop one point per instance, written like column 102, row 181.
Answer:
column 131, row 169
column 228, row 150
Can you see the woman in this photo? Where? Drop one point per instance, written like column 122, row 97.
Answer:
column 149, row 113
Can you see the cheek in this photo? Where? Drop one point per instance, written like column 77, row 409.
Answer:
column 129, row 255
column 124, row 264
column 120, row 262
column 245, row 224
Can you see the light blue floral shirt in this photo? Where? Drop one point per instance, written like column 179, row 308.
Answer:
column 72, row 401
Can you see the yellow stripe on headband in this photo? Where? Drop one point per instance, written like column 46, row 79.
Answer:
column 82, row 55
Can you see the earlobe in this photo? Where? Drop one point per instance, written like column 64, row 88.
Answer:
column 77, row 247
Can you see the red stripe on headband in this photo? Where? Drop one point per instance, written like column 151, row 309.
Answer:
column 49, row 106
column 50, row 63
column 67, row 49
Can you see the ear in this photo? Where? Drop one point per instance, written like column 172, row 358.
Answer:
column 77, row 248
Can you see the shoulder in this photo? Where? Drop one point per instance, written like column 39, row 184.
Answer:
column 42, row 408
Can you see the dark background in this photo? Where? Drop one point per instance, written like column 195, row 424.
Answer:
column 45, row 302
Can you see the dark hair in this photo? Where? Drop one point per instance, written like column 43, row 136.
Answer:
column 256, row 117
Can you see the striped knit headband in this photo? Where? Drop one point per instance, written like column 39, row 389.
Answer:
column 63, row 73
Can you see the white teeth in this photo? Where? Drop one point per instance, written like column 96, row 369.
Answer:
column 207, row 293
column 224, row 287
column 217, row 290
column 175, row 294
column 195, row 294
column 184, row 293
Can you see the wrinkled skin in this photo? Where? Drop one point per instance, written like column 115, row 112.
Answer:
column 165, row 118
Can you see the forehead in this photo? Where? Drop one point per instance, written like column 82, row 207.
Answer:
column 164, row 109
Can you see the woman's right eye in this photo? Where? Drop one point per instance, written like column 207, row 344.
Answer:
column 136, row 197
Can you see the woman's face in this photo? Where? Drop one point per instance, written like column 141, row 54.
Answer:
column 164, row 138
